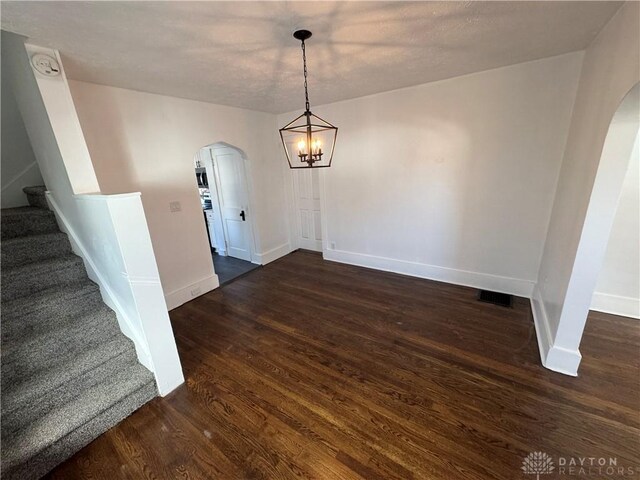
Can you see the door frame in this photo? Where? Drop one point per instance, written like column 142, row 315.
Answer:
column 246, row 180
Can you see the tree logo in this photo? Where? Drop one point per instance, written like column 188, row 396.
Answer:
column 537, row 463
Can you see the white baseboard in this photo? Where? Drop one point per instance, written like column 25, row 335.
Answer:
column 514, row 286
column 563, row 360
column 273, row 254
column 553, row 357
column 541, row 323
column 185, row 294
column 616, row 305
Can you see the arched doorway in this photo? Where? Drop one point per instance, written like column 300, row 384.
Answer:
column 223, row 185
column 607, row 187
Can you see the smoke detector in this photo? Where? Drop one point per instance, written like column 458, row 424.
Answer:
column 45, row 65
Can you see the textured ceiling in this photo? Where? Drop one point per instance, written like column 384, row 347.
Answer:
column 242, row 53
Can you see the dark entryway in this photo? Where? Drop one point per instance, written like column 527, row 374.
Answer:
column 227, row 268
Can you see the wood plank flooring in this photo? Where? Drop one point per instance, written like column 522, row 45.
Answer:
column 307, row 369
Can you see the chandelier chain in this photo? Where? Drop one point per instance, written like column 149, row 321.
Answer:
column 306, row 91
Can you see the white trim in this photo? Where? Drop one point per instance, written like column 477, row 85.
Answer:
column 616, row 305
column 183, row 295
column 273, row 254
column 553, row 357
column 541, row 324
column 563, row 360
column 108, row 296
column 514, row 286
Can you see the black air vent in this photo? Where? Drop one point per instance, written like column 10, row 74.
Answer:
column 502, row 299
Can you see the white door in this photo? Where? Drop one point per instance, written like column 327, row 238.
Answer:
column 233, row 198
column 306, row 188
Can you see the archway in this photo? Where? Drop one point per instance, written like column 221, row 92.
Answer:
column 224, row 188
column 614, row 163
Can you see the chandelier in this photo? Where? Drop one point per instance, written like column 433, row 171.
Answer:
column 308, row 140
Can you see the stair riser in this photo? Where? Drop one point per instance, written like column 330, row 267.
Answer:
column 39, row 403
column 17, row 285
column 28, row 224
column 59, row 451
column 28, row 357
column 37, row 200
column 35, row 250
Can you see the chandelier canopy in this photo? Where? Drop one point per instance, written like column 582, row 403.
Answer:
column 308, row 140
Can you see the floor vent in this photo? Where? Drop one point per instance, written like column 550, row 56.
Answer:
column 502, row 299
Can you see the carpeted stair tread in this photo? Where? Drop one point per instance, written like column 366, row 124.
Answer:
column 12, row 212
column 43, row 298
column 28, row 390
column 50, row 305
column 28, row 279
column 60, row 432
column 36, row 196
column 24, row 221
column 48, row 309
column 26, row 412
column 33, row 353
column 34, row 248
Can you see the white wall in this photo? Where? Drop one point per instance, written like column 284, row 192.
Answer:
column 19, row 166
column 452, row 180
column 611, row 68
column 146, row 142
column 618, row 287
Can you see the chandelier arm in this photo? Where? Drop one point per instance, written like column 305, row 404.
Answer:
column 322, row 119
column 292, row 122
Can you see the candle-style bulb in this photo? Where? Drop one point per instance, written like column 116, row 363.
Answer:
column 315, row 146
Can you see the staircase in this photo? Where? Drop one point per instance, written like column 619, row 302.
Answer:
column 68, row 373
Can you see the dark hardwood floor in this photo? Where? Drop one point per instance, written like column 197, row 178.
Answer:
column 311, row 369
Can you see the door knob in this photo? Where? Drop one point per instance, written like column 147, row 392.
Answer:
column 243, row 216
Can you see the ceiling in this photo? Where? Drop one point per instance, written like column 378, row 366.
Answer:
column 242, row 53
